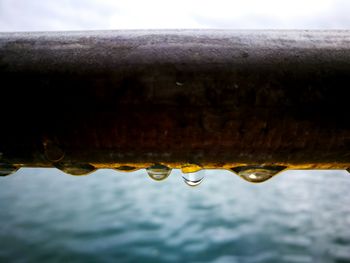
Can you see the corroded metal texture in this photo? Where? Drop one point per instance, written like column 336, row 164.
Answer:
column 212, row 98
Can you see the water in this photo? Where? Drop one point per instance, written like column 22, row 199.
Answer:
column 75, row 168
column 158, row 172
column 109, row 216
column 257, row 174
column 194, row 179
column 7, row 169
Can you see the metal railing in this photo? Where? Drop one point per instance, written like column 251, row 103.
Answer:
column 217, row 99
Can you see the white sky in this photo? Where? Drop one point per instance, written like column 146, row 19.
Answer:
column 40, row 15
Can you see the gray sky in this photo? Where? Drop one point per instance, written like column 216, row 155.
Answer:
column 42, row 15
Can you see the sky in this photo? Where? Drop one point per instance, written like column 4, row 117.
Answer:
column 54, row 15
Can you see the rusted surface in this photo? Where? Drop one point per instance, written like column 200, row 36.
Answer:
column 213, row 98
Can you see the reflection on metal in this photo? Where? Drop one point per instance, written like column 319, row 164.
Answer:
column 126, row 168
column 52, row 151
column 217, row 99
column 190, row 168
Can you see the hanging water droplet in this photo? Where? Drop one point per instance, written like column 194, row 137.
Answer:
column 257, row 174
column 126, row 168
column 75, row 168
column 193, row 179
column 7, row 169
column 158, row 172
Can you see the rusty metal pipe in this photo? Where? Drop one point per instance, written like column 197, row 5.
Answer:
column 217, row 98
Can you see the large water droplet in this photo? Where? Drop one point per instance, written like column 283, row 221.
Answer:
column 126, row 168
column 257, row 174
column 75, row 168
column 7, row 169
column 193, row 179
column 158, row 172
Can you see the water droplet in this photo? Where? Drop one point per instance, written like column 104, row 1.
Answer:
column 190, row 168
column 126, row 168
column 75, row 168
column 52, row 151
column 193, row 179
column 257, row 174
column 7, row 169
column 158, row 172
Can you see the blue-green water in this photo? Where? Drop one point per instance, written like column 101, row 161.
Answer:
column 47, row 216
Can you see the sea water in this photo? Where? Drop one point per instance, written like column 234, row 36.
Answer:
column 110, row 216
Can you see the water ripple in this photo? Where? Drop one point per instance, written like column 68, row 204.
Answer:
column 108, row 216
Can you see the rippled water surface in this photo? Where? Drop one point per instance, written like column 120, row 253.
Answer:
column 47, row 216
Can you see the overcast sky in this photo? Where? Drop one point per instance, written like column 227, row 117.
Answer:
column 40, row 15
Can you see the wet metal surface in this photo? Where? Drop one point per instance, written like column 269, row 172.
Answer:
column 213, row 98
